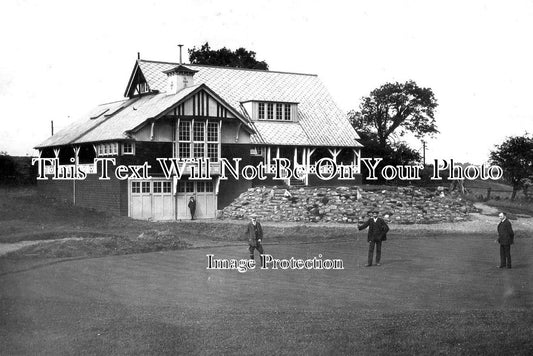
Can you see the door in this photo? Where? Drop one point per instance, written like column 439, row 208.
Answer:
column 151, row 199
column 204, row 194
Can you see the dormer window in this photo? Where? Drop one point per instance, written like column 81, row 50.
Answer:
column 275, row 111
column 261, row 112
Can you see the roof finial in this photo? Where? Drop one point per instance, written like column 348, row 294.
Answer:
column 180, row 45
column 138, row 55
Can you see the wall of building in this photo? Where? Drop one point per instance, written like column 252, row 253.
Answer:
column 148, row 152
column 102, row 195
column 229, row 133
column 232, row 188
column 162, row 132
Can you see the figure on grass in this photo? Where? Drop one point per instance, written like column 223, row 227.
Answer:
column 505, row 239
column 377, row 232
column 254, row 233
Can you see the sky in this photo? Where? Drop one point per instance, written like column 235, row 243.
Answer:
column 59, row 59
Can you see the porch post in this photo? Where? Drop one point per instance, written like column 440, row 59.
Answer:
column 268, row 160
column 357, row 160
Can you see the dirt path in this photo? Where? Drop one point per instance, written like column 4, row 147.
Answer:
column 10, row 247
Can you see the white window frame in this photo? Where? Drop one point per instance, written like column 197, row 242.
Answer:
column 107, row 149
column 132, row 152
column 268, row 111
column 206, row 141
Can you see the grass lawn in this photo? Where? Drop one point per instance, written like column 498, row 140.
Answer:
column 439, row 295
column 434, row 294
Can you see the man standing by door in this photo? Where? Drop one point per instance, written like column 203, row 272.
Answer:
column 192, row 206
column 254, row 233
column 505, row 239
column 377, row 232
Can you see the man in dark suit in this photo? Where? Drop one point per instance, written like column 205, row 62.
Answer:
column 377, row 232
column 505, row 239
column 192, row 207
column 254, row 233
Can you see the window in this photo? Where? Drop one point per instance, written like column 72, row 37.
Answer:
column 135, row 187
column 209, row 186
column 261, row 111
column 198, row 150
column 200, row 187
column 185, row 131
column 212, row 132
column 199, row 131
column 287, row 112
column 274, row 111
column 107, row 149
column 184, row 150
column 128, row 148
column 199, row 140
column 185, row 187
column 212, row 152
column 145, row 187
column 162, row 187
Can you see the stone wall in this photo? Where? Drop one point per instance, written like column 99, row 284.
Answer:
column 402, row 205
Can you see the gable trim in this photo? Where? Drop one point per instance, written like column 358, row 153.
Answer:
column 201, row 87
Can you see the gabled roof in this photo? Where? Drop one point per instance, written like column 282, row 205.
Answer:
column 320, row 121
column 114, row 121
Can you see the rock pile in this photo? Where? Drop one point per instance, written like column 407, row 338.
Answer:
column 402, row 205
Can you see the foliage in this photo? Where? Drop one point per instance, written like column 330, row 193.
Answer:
column 515, row 157
column 396, row 109
column 8, row 168
column 398, row 153
column 224, row 57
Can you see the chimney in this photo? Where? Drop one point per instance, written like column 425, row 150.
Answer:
column 178, row 78
column 180, row 45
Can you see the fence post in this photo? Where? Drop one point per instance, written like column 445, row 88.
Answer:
column 489, row 189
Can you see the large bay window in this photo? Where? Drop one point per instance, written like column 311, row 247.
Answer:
column 198, row 139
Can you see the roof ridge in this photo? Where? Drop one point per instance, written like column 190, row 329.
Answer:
column 231, row 68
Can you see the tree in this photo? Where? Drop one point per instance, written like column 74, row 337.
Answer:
column 396, row 109
column 515, row 157
column 240, row 58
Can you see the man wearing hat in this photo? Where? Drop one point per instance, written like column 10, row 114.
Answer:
column 254, row 232
column 377, row 232
column 505, row 239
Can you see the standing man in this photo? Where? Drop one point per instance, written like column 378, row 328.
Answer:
column 505, row 239
column 254, row 232
column 192, row 207
column 377, row 232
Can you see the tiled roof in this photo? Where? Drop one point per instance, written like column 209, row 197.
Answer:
column 104, row 128
column 279, row 133
column 321, row 122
